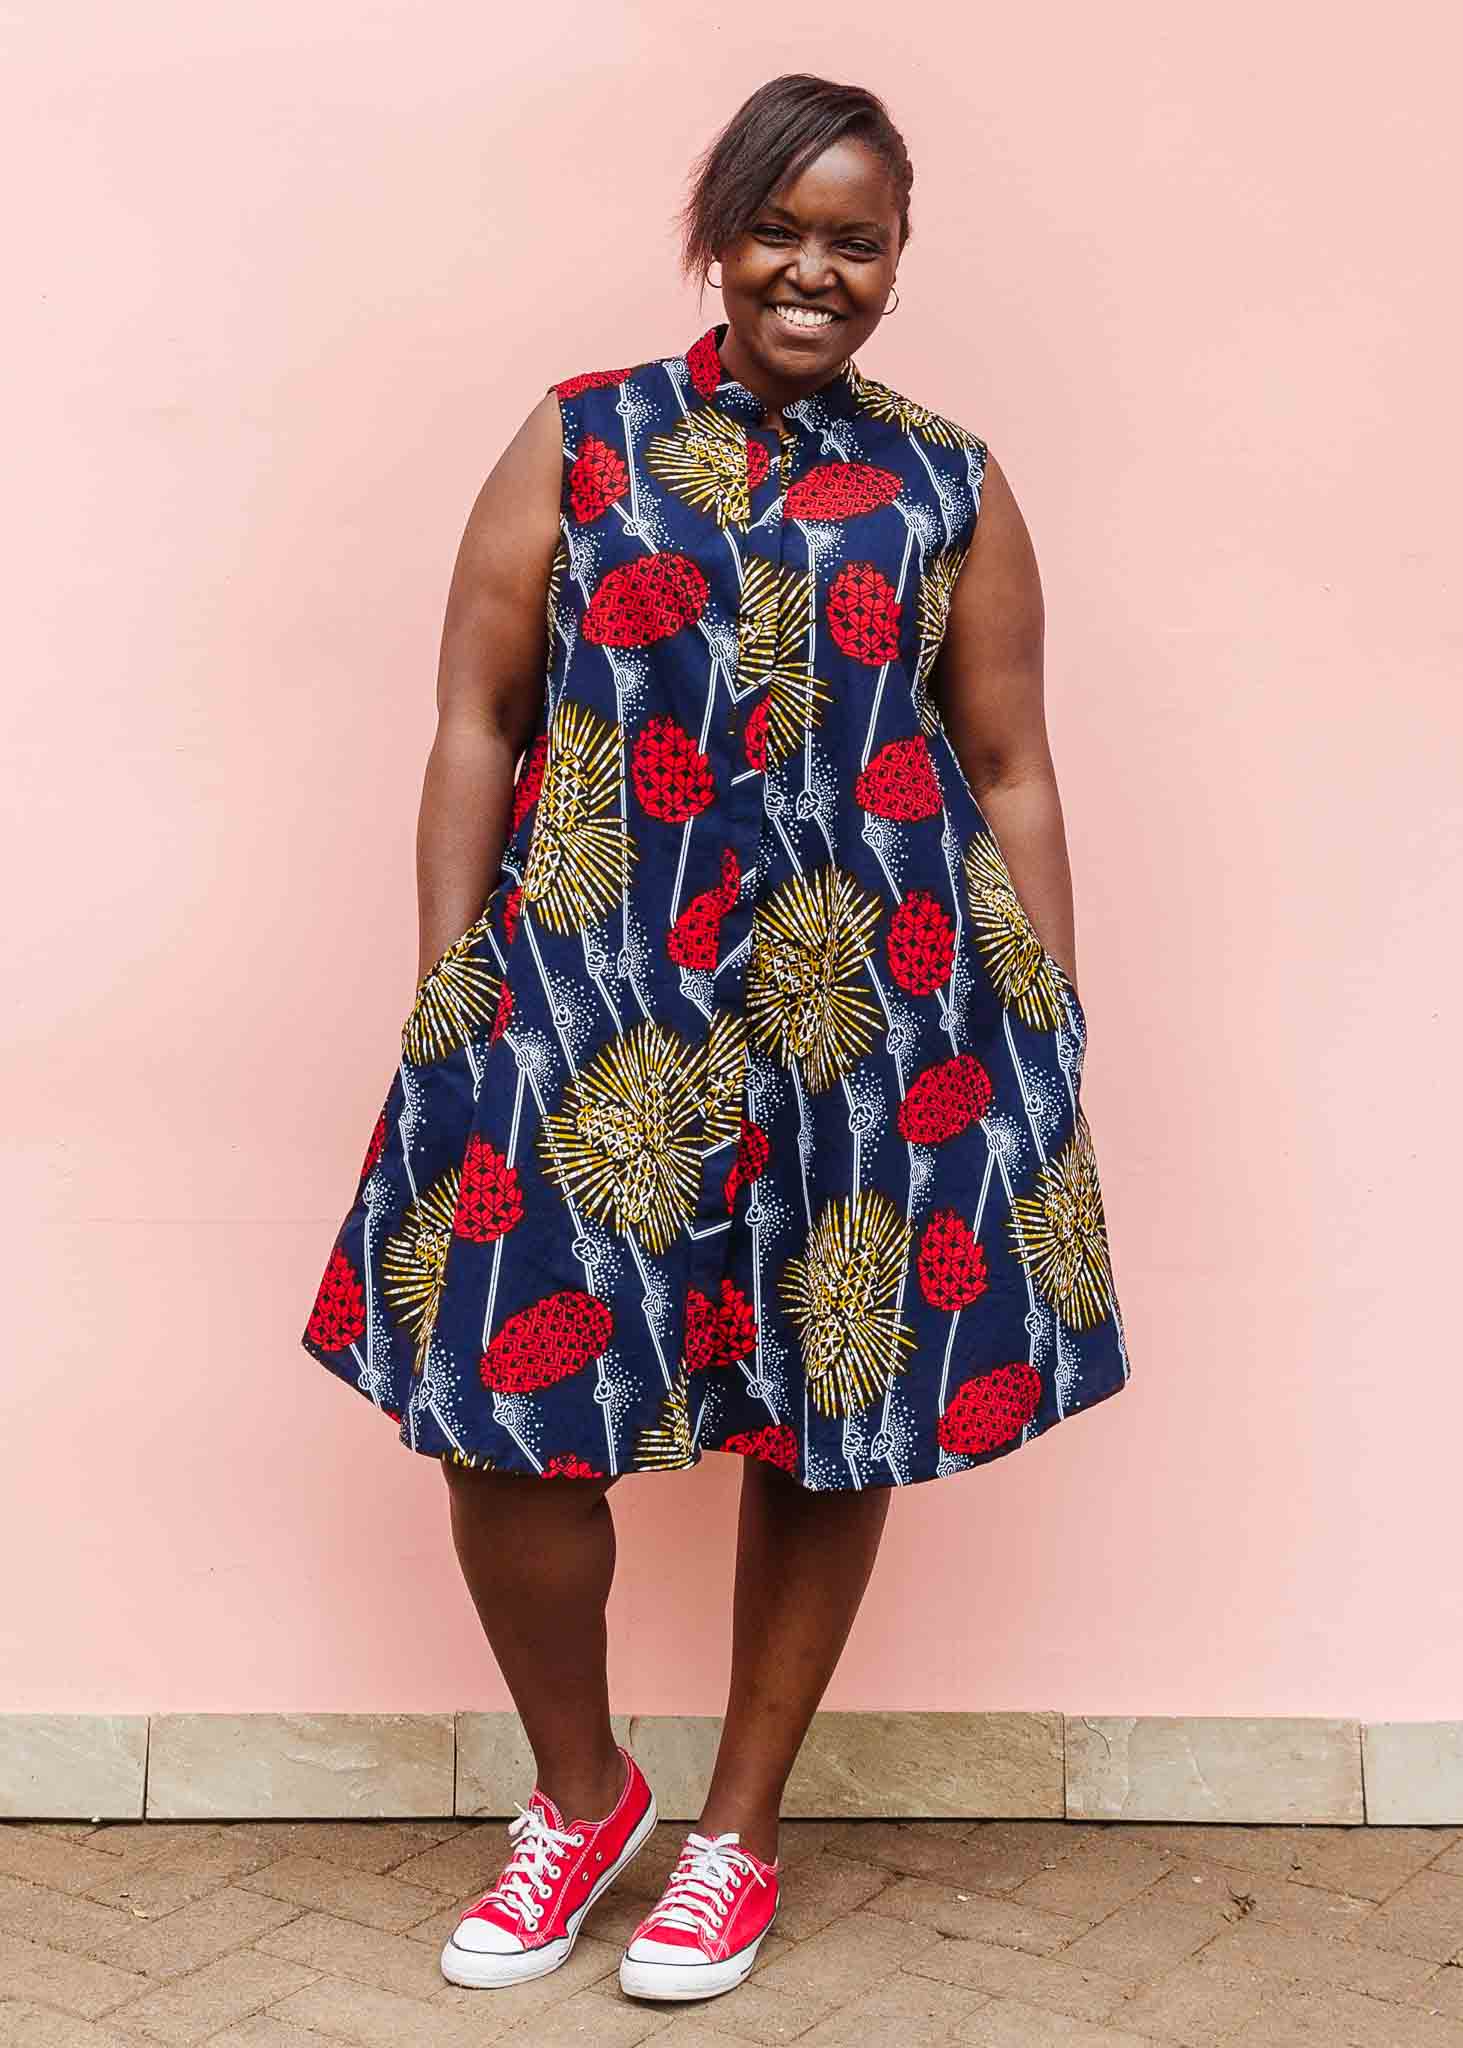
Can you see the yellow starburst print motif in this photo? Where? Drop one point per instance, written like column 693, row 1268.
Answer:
column 1059, row 1233
column 665, row 1444
column 579, row 852
column 932, row 616
column 805, row 992
column 557, row 567
column 456, row 1000
column 704, row 461
column 625, row 1142
column 725, row 1077
column 841, row 1297
column 882, row 402
column 1024, row 974
column 414, row 1262
column 773, row 641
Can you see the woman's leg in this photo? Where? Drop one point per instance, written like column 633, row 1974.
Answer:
column 803, row 1562
column 538, row 1556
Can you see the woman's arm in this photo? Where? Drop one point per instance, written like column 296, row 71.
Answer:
column 988, row 684
column 490, row 679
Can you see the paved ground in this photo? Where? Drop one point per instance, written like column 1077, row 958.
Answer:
column 991, row 1934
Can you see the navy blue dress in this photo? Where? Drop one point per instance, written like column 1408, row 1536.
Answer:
column 747, row 1114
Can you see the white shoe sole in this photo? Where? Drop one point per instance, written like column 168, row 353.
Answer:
column 690, row 1980
column 482, row 1971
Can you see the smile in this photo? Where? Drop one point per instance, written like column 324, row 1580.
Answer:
column 804, row 316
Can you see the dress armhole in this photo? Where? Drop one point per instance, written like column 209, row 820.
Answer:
column 565, row 459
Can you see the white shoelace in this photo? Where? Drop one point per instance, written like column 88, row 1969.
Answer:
column 521, row 1887
column 700, row 1891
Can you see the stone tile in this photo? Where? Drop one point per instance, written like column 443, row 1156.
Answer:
column 676, row 1752
column 385, row 1902
column 981, row 1966
column 222, row 1992
column 51, row 1976
column 196, row 1934
column 972, row 1916
column 51, row 1860
column 1145, row 1937
column 1200, row 2003
column 1413, row 1772
column 367, row 1955
column 601, row 2022
column 1423, row 1917
column 1098, row 1876
column 64, row 1766
column 178, row 1875
column 299, row 1766
column 1192, row 1767
column 495, row 1765
column 1006, row 2023
column 1193, row 1882
column 23, row 2025
column 60, row 1919
column 1285, row 1955
column 927, row 1765
column 346, row 2011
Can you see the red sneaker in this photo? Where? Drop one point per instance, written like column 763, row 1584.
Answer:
column 703, row 1934
column 527, row 1924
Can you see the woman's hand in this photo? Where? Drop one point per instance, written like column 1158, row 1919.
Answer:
column 988, row 684
column 490, row 679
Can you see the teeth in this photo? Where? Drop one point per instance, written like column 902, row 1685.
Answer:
column 804, row 316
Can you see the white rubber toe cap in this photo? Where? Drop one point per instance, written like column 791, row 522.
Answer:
column 486, row 1938
column 648, row 1950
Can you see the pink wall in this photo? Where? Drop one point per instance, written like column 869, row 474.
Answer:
column 282, row 284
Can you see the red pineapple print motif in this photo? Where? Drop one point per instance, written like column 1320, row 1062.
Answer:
column 546, row 1343
column 718, row 1333
column 489, row 1197
column 752, row 1155
column 641, row 602
column 565, row 1465
column 754, row 736
column 597, row 479
column 692, row 939
column 863, row 614
column 990, row 1409
column 511, row 904
column 671, row 774
column 705, row 365
column 530, row 781
column 758, row 464
column 951, row 1265
column 921, row 942
column 375, row 1148
column 945, row 1100
column 590, row 380
column 900, row 783
column 840, row 490
column 339, row 1314
column 503, row 1015
column 775, row 1445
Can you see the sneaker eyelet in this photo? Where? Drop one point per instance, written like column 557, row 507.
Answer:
column 599, row 1855
column 577, row 1840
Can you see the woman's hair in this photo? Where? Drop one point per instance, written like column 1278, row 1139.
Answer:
column 771, row 137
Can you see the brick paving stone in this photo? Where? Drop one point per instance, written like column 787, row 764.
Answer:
column 260, row 2030
column 588, row 2017
column 1194, row 1881
column 464, row 1865
column 345, row 2011
column 52, row 1976
column 1369, row 1863
column 1198, row 2004
column 191, row 2008
column 903, row 2012
column 972, row 1916
column 1145, row 1937
column 374, row 1845
column 344, row 1948
column 821, row 1890
column 138, row 1841
column 23, row 2025
column 1335, row 2015
column 1290, row 1954
column 384, row 1902
column 812, row 1979
column 1006, row 2023
column 1423, row 1917
column 591, row 1963
column 52, row 1860
column 187, row 1871
column 1441, row 1992
column 1097, row 1877
column 978, row 1862
column 60, row 1919
column 1009, row 1973
column 196, row 1934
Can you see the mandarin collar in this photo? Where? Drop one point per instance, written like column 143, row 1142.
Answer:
column 711, row 381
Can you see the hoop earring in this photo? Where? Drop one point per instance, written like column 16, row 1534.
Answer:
column 895, row 307
column 706, row 277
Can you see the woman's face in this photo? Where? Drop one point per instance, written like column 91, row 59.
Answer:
column 828, row 241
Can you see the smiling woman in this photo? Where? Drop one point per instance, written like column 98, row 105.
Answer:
column 739, row 1108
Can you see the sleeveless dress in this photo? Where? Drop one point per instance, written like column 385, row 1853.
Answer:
column 746, row 1116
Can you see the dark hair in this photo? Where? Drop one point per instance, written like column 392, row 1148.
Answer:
column 772, row 136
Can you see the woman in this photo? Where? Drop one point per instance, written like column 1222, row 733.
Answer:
column 738, row 1108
